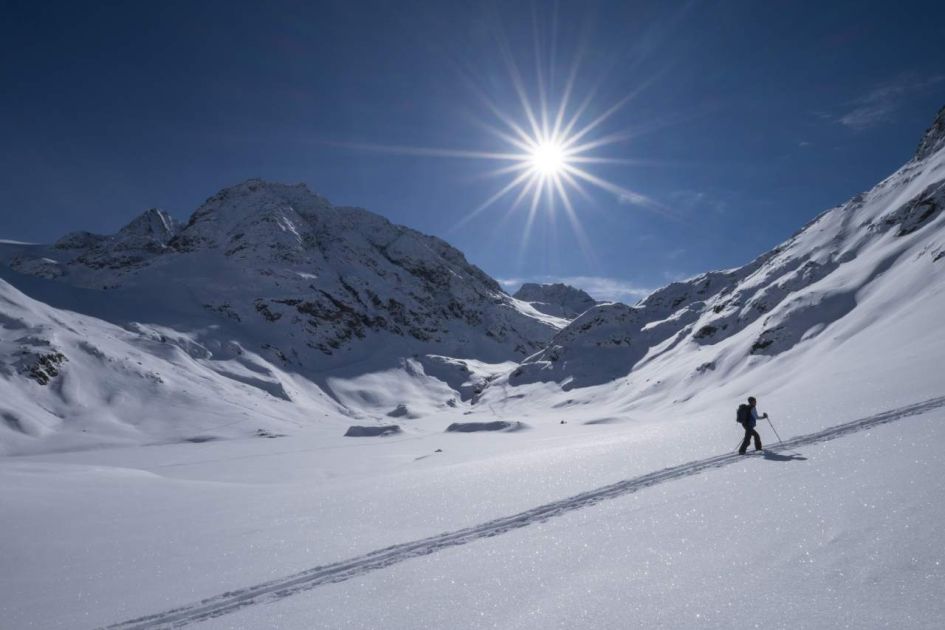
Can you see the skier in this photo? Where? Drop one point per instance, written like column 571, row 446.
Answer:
column 748, row 418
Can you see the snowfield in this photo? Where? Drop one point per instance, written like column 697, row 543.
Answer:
column 815, row 538
column 822, row 534
column 174, row 401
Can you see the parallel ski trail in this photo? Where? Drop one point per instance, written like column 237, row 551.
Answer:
column 340, row 571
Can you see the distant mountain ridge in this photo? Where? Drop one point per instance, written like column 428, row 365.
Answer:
column 558, row 299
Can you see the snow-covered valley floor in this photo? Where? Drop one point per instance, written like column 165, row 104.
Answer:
column 838, row 533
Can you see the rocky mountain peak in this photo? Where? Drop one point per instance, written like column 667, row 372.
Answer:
column 258, row 213
column 257, row 196
column 151, row 230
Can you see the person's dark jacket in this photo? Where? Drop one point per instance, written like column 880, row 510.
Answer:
column 749, row 417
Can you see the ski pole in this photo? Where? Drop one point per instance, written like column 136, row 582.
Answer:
column 773, row 429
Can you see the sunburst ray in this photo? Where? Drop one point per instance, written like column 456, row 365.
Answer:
column 548, row 144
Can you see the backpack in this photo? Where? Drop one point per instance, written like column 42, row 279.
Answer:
column 743, row 414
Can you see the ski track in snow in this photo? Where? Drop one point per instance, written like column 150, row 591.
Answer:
column 340, row 571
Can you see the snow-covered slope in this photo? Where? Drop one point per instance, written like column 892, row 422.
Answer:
column 558, row 299
column 71, row 381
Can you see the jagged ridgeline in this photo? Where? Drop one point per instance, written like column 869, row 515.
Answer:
column 314, row 282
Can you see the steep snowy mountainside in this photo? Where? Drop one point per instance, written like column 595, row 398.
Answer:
column 558, row 299
column 852, row 267
column 315, row 285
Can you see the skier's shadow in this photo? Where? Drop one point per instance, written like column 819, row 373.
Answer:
column 779, row 457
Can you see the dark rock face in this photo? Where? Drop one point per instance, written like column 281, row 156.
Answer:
column 80, row 240
column 474, row 427
column 401, row 411
column 360, row 431
column 42, row 368
column 934, row 137
column 919, row 212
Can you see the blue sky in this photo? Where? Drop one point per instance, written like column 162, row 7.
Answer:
column 747, row 118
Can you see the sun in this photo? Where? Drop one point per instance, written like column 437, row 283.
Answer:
column 548, row 158
column 548, row 149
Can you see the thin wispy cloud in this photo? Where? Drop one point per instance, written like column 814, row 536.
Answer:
column 691, row 201
column 598, row 287
column 880, row 103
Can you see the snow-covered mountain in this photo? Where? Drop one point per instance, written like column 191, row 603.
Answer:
column 864, row 261
column 319, row 277
column 558, row 299
column 267, row 275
